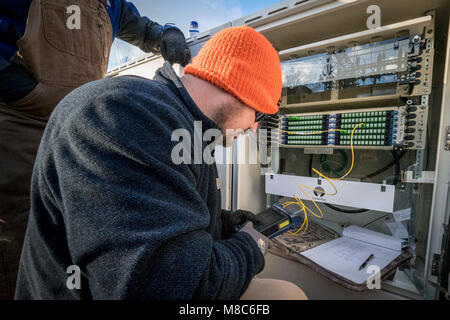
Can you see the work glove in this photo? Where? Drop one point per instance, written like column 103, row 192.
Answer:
column 15, row 83
column 233, row 219
column 173, row 46
column 261, row 240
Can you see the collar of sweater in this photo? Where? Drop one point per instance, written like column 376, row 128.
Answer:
column 167, row 76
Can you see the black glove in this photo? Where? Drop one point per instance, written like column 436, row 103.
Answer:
column 15, row 83
column 231, row 219
column 173, row 46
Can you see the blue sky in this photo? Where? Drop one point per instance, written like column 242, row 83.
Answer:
column 208, row 13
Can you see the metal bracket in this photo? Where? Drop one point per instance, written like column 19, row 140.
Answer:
column 435, row 265
column 318, row 150
column 447, row 140
column 426, row 177
column 418, row 166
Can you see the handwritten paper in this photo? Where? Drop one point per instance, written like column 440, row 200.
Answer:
column 345, row 255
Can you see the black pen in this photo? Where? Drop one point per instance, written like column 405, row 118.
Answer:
column 365, row 262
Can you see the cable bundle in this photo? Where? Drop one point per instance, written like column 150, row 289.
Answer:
column 302, row 205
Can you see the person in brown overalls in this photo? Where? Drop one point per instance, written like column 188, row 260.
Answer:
column 42, row 61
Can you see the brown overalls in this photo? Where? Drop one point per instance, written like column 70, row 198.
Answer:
column 60, row 59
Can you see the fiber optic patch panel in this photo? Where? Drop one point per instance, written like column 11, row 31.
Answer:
column 382, row 128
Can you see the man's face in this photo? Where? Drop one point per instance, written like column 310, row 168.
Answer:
column 243, row 118
column 235, row 118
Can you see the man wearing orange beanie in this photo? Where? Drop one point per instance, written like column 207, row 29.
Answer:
column 113, row 216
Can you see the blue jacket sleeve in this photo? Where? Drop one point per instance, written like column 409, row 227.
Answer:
column 136, row 223
column 4, row 64
column 137, row 30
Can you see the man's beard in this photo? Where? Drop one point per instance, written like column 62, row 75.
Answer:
column 221, row 118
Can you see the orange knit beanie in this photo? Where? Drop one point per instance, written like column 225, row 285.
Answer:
column 242, row 62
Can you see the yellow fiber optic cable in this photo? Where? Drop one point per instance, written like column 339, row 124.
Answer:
column 301, row 204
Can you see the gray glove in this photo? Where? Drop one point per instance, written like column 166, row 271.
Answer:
column 261, row 240
column 173, row 46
